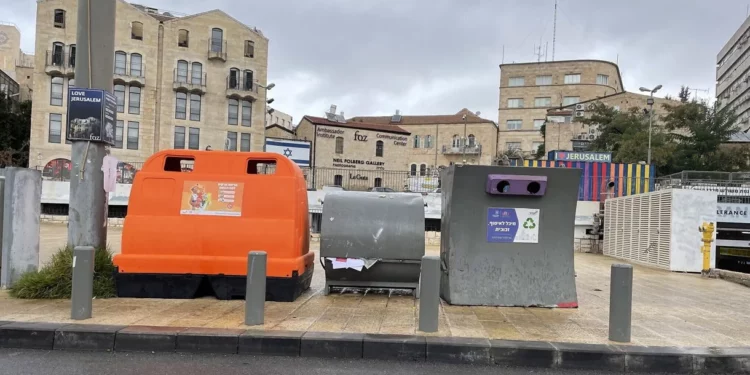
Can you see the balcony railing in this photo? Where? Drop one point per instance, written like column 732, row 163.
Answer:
column 460, row 150
column 234, row 83
column 217, row 49
column 183, row 80
column 131, row 70
column 59, row 62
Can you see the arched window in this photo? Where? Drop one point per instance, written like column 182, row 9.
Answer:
column 217, row 37
column 234, row 78
column 183, row 38
column 136, row 30
column 72, row 55
column 413, row 170
column 456, row 140
column 59, row 19
column 136, row 65
column 339, row 145
column 56, row 91
column 57, row 54
column 180, row 108
column 378, row 182
column 197, row 73
column 57, row 169
column 248, row 80
column 182, row 70
column 234, row 110
column 428, row 141
column 472, row 140
column 120, row 62
column 416, row 141
column 379, row 148
column 338, row 180
column 423, row 169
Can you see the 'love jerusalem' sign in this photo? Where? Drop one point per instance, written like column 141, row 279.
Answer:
column 603, row 157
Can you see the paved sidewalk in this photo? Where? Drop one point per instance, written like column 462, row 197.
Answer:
column 669, row 309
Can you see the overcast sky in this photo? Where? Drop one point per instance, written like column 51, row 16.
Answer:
column 371, row 57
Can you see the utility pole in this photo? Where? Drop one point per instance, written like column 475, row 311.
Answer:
column 554, row 32
column 94, row 62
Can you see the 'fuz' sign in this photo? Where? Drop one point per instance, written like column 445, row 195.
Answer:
column 360, row 137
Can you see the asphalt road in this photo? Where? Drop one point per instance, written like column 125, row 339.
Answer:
column 40, row 362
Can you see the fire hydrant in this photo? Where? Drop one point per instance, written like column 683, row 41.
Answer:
column 707, row 229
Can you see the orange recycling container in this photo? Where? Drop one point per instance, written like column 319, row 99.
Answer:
column 193, row 216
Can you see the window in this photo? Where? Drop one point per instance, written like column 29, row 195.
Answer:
column 379, row 148
column 71, row 82
column 194, row 139
column 57, row 54
column 233, row 111
column 245, row 142
column 456, row 141
column 543, row 80
column 183, row 37
column 572, row 78
column 134, row 100
column 338, row 180
column 136, row 30
column 542, row 102
column 234, row 78
column 72, row 55
column 56, row 91
column 197, row 73
column 247, row 112
column 195, row 107
column 538, row 123
column 120, row 96
column 428, row 141
column 248, row 83
column 136, row 66
column 472, row 140
column 179, row 137
column 217, row 36
column 132, row 135
column 568, row 100
column 59, row 19
column 516, row 81
column 180, row 108
column 515, row 103
column 55, row 128
column 339, row 145
column 120, row 62
column 182, row 71
column 231, row 142
column 513, row 146
column 423, row 169
column 249, row 48
column 119, row 131
column 535, row 146
column 378, row 182
column 416, row 141
column 413, row 170
column 514, row 124
column 602, row 79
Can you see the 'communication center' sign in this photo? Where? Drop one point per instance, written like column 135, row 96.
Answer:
column 92, row 115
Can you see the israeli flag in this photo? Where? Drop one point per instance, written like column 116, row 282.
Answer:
column 297, row 151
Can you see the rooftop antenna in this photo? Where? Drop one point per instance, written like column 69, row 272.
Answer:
column 546, row 45
column 538, row 53
column 503, row 59
column 554, row 32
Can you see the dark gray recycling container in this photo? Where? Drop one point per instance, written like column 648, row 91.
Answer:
column 507, row 236
column 387, row 227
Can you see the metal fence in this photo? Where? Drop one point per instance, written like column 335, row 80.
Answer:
column 732, row 187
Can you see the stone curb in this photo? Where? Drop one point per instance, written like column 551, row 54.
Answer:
column 621, row 358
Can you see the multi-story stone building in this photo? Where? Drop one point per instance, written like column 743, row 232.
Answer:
column 192, row 82
column 528, row 90
column 276, row 117
column 733, row 74
column 18, row 65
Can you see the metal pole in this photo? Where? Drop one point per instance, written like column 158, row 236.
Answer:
column 463, row 149
column 94, row 62
column 2, row 224
column 255, row 290
column 429, row 294
column 82, row 292
column 620, row 302
column 650, row 120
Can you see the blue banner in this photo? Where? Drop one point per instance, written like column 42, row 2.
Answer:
column 92, row 114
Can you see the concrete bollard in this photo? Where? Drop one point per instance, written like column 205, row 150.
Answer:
column 83, row 283
column 620, row 302
column 429, row 294
column 255, row 291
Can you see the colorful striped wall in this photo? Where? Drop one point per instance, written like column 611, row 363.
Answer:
column 629, row 179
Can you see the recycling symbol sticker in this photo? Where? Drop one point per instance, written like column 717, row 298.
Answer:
column 529, row 224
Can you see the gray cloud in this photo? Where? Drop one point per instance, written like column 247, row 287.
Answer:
column 371, row 57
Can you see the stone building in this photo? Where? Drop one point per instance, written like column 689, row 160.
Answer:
column 278, row 131
column 528, row 90
column 181, row 81
column 18, row 65
column 733, row 74
column 276, row 117
column 563, row 131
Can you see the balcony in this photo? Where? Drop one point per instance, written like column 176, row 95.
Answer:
column 461, row 150
column 58, row 63
column 241, row 89
column 193, row 83
column 132, row 74
column 217, row 49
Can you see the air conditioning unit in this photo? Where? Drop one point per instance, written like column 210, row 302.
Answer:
column 591, row 137
column 591, row 106
column 581, row 137
column 579, row 113
column 580, row 107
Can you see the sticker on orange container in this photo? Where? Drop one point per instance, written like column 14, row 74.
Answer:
column 211, row 198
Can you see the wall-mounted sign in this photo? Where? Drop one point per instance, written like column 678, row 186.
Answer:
column 722, row 190
column 354, row 163
column 358, row 176
column 516, row 225
column 398, row 140
column 360, row 137
column 297, row 151
column 92, row 115
column 602, row 157
column 732, row 213
column 328, row 132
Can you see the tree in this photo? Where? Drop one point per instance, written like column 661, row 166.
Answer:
column 541, row 150
column 15, row 132
column 684, row 94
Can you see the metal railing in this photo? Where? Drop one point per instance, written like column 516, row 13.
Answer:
column 189, row 80
column 468, row 149
column 127, row 70
column 59, row 59
column 217, row 49
column 234, row 83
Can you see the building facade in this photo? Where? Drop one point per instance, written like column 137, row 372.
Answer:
column 278, row 131
column 192, row 82
column 18, row 65
column 528, row 90
column 276, row 117
column 733, row 74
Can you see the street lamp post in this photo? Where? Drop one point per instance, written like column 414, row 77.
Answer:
column 266, row 102
column 463, row 146
column 650, row 102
